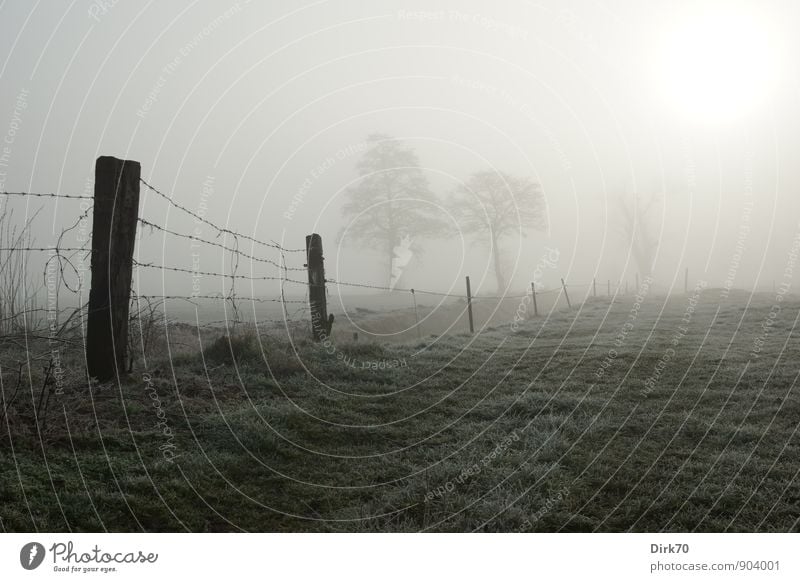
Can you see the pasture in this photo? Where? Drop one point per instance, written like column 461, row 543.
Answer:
column 673, row 414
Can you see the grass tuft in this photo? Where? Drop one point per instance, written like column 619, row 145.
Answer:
column 229, row 349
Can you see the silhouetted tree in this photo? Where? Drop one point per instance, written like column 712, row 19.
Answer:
column 638, row 231
column 492, row 206
column 391, row 205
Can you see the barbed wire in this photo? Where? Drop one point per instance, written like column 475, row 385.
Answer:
column 393, row 289
column 231, row 295
column 22, row 313
column 282, row 279
column 212, row 274
column 218, row 245
column 47, row 195
column 230, row 322
column 426, row 292
column 62, row 260
column 37, row 249
column 220, row 229
column 190, row 298
column 501, row 297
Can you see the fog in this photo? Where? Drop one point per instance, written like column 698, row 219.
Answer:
column 257, row 115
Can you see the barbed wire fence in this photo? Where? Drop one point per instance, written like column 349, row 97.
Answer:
column 19, row 297
column 232, row 248
column 66, row 262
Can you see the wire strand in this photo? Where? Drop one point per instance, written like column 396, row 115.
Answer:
column 222, row 275
column 47, row 195
column 220, row 229
column 190, row 298
column 216, row 244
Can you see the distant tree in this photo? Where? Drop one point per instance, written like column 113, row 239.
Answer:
column 390, row 206
column 492, row 206
column 638, row 231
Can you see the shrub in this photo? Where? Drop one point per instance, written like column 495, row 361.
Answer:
column 228, row 349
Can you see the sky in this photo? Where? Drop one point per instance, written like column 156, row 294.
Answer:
column 256, row 113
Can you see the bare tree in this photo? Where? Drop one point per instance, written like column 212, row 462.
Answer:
column 492, row 206
column 638, row 231
column 391, row 205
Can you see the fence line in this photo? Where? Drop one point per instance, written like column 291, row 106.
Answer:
column 216, row 244
column 223, row 297
column 393, row 289
column 475, row 297
column 221, row 275
column 221, row 230
column 236, row 252
column 150, row 224
column 111, row 192
column 437, row 293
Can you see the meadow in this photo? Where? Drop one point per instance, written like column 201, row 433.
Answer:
column 666, row 414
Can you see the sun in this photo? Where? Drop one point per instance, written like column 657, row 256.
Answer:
column 717, row 65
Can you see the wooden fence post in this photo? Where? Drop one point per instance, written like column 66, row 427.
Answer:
column 469, row 307
column 115, row 214
column 321, row 322
column 609, row 287
column 564, row 285
column 533, row 294
column 594, row 287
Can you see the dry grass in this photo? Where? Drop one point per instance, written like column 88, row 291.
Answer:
column 497, row 432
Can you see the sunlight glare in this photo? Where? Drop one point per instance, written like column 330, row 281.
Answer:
column 717, row 66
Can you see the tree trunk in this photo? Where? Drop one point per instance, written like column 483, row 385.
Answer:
column 389, row 264
column 498, row 267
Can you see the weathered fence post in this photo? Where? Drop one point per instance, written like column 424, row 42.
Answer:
column 609, row 288
column 321, row 323
column 594, row 287
column 564, row 285
column 469, row 307
column 116, row 210
column 533, row 294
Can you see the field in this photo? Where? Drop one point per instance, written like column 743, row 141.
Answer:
column 674, row 414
